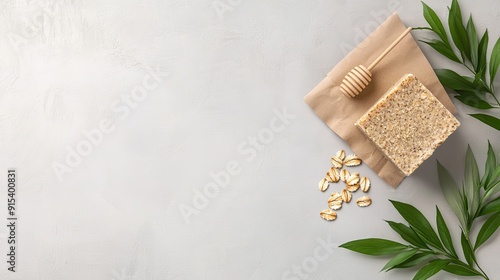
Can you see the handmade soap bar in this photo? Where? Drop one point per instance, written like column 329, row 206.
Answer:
column 408, row 123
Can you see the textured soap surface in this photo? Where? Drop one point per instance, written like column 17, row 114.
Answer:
column 408, row 123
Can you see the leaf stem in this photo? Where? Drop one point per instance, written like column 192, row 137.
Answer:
column 472, row 71
column 456, row 260
column 482, row 271
column 489, row 89
column 494, row 97
column 467, row 237
column 421, row 28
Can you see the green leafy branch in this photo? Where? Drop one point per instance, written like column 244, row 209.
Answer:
column 476, row 198
column 470, row 90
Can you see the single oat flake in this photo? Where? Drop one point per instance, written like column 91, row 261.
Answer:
column 365, row 184
column 337, row 162
column 407, row 124
column 328, row 177
column 340, row 155
column 335, row 201
column 364, row 201
column 344, row 175
column 352, row 188
column 353, row 179
column 346, row 195
column 334, row 174
column 328, row 215
column 352, row 160
column 323, row 184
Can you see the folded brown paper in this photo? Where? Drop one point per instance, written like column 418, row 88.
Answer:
column 340, row 112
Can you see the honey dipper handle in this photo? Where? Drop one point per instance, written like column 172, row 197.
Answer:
column 380, row 57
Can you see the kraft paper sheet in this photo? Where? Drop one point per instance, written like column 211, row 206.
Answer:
column 340, row 112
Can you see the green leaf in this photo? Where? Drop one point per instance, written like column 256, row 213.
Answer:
column 494, row 178
column 374, row 246
column 460, row 270
column 477, row 78
column 470, row 98
column 494, row 61
column 444, row 233
column 435, row 23
column 407, row 234
column 487, row 119
column 443, row 49
column 468, row 253
column 415, row 260
column 465, row 208
column 491, row 207
column 418, row 221
column 474, row 44
column 482, row 50
column 478, row 85
column 487, row 230
column 430, row 269
column 494, row 186
column 457, row 30
column 490, row 166
column 492, row 189
column 400, row 258
column 472, row 182
column 452, row 194
column 452, row 80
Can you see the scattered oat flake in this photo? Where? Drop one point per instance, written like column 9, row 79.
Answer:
column 323, row 184
column 328, row 215
column 340, row 155
column 336, row 162
column 352, row 160
column 346, row 195
column 335, row 206
column 352, row 188
column 328, row 177
column 365, row 184
column 364, row 201
column 334, row 174
column 335, row 201
column 353, row 179
column 344, row 175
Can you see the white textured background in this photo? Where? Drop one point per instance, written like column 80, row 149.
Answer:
column 66, row 65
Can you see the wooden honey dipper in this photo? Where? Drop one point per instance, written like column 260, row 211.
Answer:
column 359, row 77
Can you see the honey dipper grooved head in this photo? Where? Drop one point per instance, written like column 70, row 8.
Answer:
column 355, row 81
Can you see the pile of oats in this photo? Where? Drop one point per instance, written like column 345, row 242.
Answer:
column 352, row 181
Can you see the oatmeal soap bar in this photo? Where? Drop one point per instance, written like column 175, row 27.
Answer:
column 408, row 123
